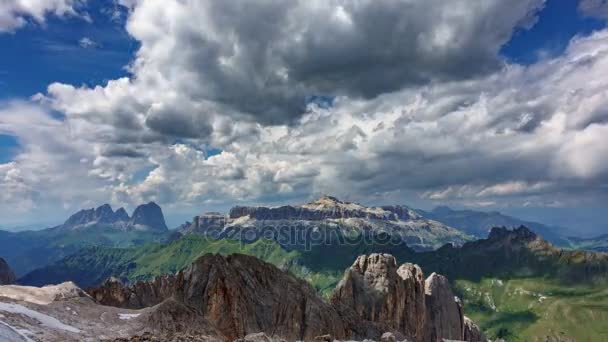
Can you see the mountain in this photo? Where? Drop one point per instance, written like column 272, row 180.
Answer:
column 598, row 243
column 241, row 295
column 295, row 226
column 516, row 253
column 227, row 298
column 146, row 217
column 6, row 274
column 513, row 283
column 479, row 223
column 100, row 226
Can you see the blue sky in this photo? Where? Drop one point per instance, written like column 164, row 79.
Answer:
column 91, row 50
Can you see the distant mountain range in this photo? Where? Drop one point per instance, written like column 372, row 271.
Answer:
column 101, row 226
column 294, row 226
column 146, row 217
column 479, row 223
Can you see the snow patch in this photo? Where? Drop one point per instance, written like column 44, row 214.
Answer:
column 127, row 317
column 45, row 320
column 11, row 334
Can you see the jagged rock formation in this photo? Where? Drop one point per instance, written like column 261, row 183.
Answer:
column 380, row 291
column 444, row 310
column 6, row 274
column 137, row 296
column 240, row 295
column 328, row 213
column 472, row 333
column 147, row 217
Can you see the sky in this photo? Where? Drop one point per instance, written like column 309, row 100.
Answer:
column 199, row 106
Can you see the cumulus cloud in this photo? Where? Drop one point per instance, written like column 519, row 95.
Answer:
column 15, row 13
column 422, row 107
column 264, row 58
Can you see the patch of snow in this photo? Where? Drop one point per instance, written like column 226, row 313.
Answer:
column 10, row 334
column 45, row 320
column 127, row 317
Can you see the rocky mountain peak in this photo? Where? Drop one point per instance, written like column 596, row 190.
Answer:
column 145, row 217
column 241, row 295
column 100, row 215
column 442, row 210
column 121, row 215
column 379, row 291
column 149, row 215
column 522, row 233
column 7, row 276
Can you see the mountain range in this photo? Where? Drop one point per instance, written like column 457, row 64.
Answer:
column 100, row 226
column 479, row 223
column 294, row 226
column 242, row 298
column 514, row 283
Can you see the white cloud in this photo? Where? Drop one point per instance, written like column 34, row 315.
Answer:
column 87, row 43
column 15, row 13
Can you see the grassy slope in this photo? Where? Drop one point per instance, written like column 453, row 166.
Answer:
column 26, row 251
column 536, row 309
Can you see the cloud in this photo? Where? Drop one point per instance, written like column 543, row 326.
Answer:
column 594, row 8
column 263, row 59
column 430, row 114
column 87, row 43
column 14, row 14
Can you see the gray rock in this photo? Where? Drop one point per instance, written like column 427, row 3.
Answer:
column 444, row 311
column 378, row 291
column 472, row 333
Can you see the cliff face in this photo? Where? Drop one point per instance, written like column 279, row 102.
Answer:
column 380, row 291
column 241, row 295
column 327, row 213
column 7, row 276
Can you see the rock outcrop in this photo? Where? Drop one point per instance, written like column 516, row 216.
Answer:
column 444, row 310
column 472, row 333
column 140, row 295
column 379, row 291
column 7, row 276
column 148, row 215
column 240, row 295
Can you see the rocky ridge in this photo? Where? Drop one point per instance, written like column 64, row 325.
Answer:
column 240, row 295
column 328, row 214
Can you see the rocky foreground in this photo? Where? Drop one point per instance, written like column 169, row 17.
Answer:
column 240, row 297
